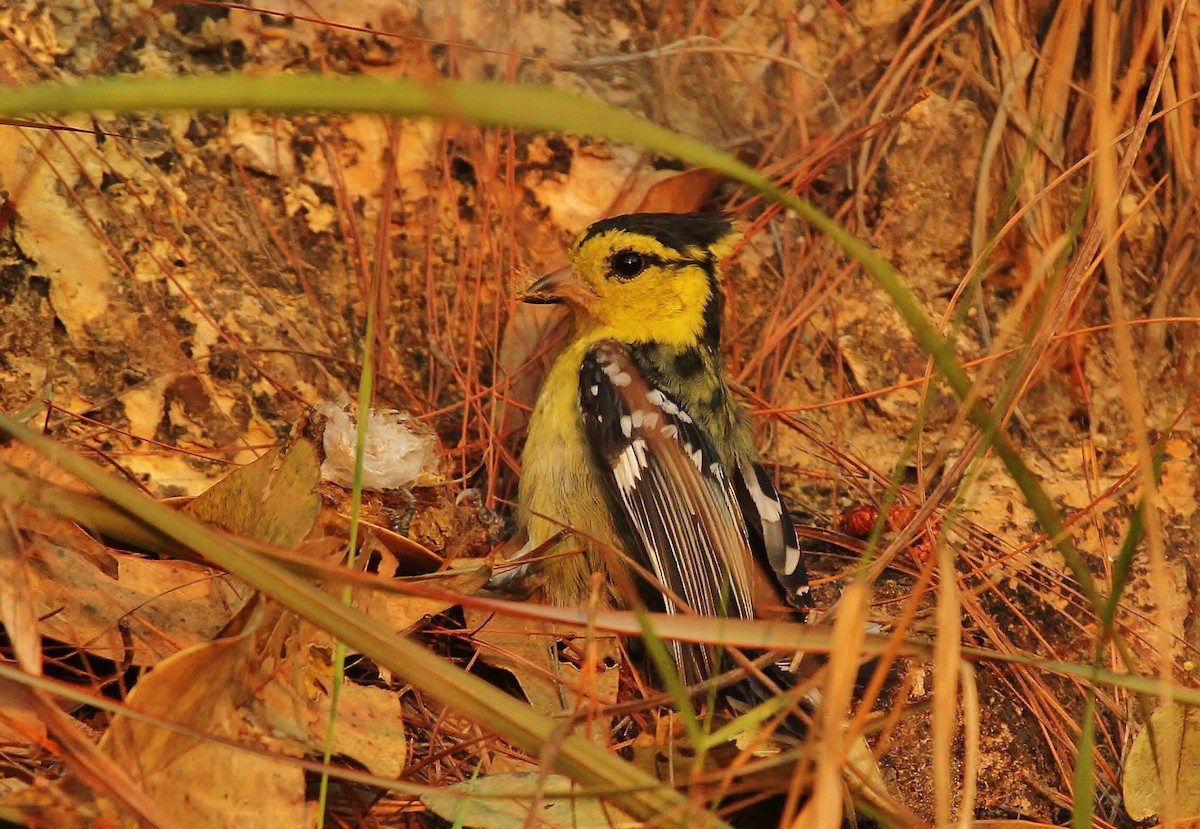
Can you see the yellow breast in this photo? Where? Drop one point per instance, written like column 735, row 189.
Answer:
column 559, row 487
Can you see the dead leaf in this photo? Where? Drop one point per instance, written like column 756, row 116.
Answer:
column 216, row 785
column 533, row 336
column 271, row 499
column 291, row 710
column 400, row 612
column 265, row 688
column 1173, row 760
column 529, row 650
column 293, row 718
column 505, row 801
column 96, row 792
column 20, row 724
column 17, row 597
column 408, row 556
column 683, row 192
column 126, row 608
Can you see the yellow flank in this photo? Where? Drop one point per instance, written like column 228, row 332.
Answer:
column 559, row 487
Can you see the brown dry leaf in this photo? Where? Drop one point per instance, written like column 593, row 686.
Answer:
column 214, row 784
column 1173, row 760
column 68, row 245
column 123, row 607
column 20, row 458
column 401, row 613
column 403, row 554
column 505, row 801
column 17, row 612
column 268, row 689
column 291, row 711
column 126, row 608
column 265, row 688
column 20, row 724
column 528, row 649
column 273, row 499
column 293, row 707
column 683, row 192
column 97, row 792
column 48, row 804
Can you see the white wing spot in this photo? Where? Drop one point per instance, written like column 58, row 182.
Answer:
column 658, row 398
column 769, row 509
column 627, row 426
column 697, row 457
column 625, row 477
column 627, row 469
column 791, row 561
column 619, row 378
column 594, row 389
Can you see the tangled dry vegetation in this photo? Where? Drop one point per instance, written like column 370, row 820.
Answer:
column 179, row 290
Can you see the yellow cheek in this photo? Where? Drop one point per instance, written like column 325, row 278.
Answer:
column 652, row 300
column 636, row 304
column 667, row 309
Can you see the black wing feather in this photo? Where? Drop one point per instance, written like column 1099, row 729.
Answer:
column 772, row 532
column 680, row 510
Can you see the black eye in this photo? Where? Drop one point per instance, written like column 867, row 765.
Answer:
column 628, row 264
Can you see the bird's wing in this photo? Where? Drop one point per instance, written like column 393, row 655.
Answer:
column 772, row 532
column 674, row 502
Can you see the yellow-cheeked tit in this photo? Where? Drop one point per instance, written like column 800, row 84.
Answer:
column 636, row 443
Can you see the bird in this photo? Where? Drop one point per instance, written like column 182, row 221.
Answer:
column 637, row 450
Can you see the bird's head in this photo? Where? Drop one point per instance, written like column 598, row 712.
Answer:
column 646, row 277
